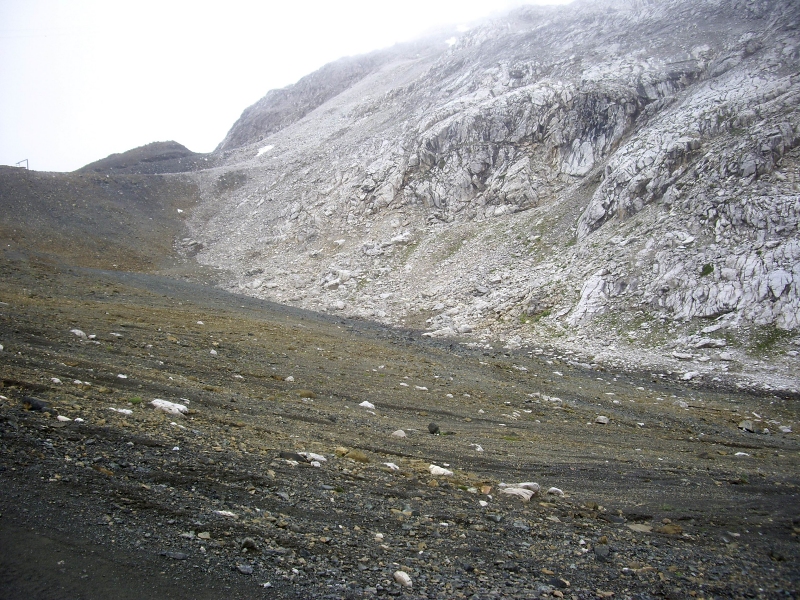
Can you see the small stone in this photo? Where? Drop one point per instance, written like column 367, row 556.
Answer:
column 602, row 552
column 559, row 582
column 711, row 343
column 433, row 428
column 402, row 578
column 689, row 375
column 439, row 471
column 747, row 425
column 368, row 405
column 399, row 433
column 244, row 569
column 602, row 420
column 313, row 457
column 33, row 403
column 523, row 493
column 554, row 491
column 670, row 529
column 78, row 333
column 175, row 555
column 357, row 456
column 249, row 543
column 226, row 513
column 529, row 485
column 204, row 535
column 172, row 408
column 299, row 458
column 495, row 517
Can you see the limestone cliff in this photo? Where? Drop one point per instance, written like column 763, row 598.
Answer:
column 613, row 174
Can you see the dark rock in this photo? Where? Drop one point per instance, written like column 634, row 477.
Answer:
column 558, row 582
column 521, row 525
column 293, row 456
column 249, row 543
column 175, row 555
column 602, row 552
column 33, row 403
column 433, row 428
column 495, row 517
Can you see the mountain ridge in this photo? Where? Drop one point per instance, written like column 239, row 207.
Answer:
column 612, row 175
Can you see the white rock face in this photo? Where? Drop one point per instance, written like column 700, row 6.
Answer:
column 593, row 299
column 531, row 179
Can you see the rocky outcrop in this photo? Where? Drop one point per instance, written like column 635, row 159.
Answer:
column 572, row 172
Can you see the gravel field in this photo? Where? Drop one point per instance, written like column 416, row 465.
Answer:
column 101, row 494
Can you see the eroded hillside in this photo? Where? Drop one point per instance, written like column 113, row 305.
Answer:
column 621, row 177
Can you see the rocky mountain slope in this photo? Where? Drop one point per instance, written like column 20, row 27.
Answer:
column 612, row 175
column 110, row 219
column 609, row 189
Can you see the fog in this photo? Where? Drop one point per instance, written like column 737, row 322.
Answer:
column 82, row 79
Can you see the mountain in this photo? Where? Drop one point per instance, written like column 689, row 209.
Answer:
column 107, row 219
column 157, row 157
column 617, row 176
column 582, row 222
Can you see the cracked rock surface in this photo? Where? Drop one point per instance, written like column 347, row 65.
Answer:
column 572, row 173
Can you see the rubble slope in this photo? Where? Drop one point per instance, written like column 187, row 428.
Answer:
column 618, row 177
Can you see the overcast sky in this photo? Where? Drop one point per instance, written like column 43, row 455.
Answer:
column 81, row 79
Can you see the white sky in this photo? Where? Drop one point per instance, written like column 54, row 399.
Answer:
column 81, row 79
